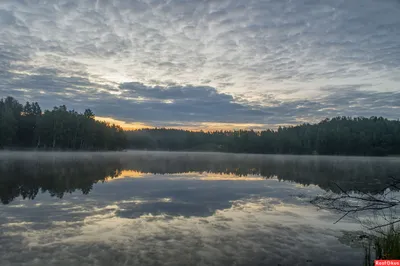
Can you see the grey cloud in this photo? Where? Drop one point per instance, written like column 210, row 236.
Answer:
column 6, row 18
column 321, row 43
column 175, row 92
column 205, row 104
column 10, row 54
column 49, row 83
column 178, row 105
column 355, row 102
column 276, row 48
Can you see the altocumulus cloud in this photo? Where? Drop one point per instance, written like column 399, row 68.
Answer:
column 179, row 62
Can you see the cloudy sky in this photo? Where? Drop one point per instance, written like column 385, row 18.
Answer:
column 204, row 64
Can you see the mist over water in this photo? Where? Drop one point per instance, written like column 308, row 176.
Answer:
column 162, row 208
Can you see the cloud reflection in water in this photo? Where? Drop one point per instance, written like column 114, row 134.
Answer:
column 186, row 209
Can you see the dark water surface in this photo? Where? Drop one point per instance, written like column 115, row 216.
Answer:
column 160, row 208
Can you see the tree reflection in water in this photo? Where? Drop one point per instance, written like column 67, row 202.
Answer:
column 26, row 178
column 57, row 175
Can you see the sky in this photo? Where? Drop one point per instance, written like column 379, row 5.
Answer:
column 192, row 64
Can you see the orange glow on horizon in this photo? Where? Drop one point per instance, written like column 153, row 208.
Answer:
column 123, row 124
column 205, row 176
column 190, row 175
column 127, row 174
column 231, row 177
column 205, row 126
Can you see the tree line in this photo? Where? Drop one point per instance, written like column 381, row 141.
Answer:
column 27, row 126
column 375, row 136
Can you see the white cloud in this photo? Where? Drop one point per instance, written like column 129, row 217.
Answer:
column 287, row 49
column 248, row 231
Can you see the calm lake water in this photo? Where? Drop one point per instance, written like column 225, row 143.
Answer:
column 161, row 208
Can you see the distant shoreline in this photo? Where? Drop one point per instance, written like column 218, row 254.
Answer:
column 27, row 127
column 132, row 151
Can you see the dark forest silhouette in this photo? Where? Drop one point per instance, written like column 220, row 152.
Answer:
column 27, row 127
column 337, row 136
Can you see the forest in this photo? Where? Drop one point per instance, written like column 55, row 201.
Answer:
column 374, row 136
column 27, row 126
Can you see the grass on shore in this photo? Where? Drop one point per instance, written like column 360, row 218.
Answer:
column 386, row 246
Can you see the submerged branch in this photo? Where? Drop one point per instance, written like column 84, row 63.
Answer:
column 351, row 203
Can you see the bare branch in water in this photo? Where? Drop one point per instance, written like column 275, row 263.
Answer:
column 383, row 225
column 352, row 203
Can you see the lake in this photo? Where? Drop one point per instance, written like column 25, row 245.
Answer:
column 164, row 208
